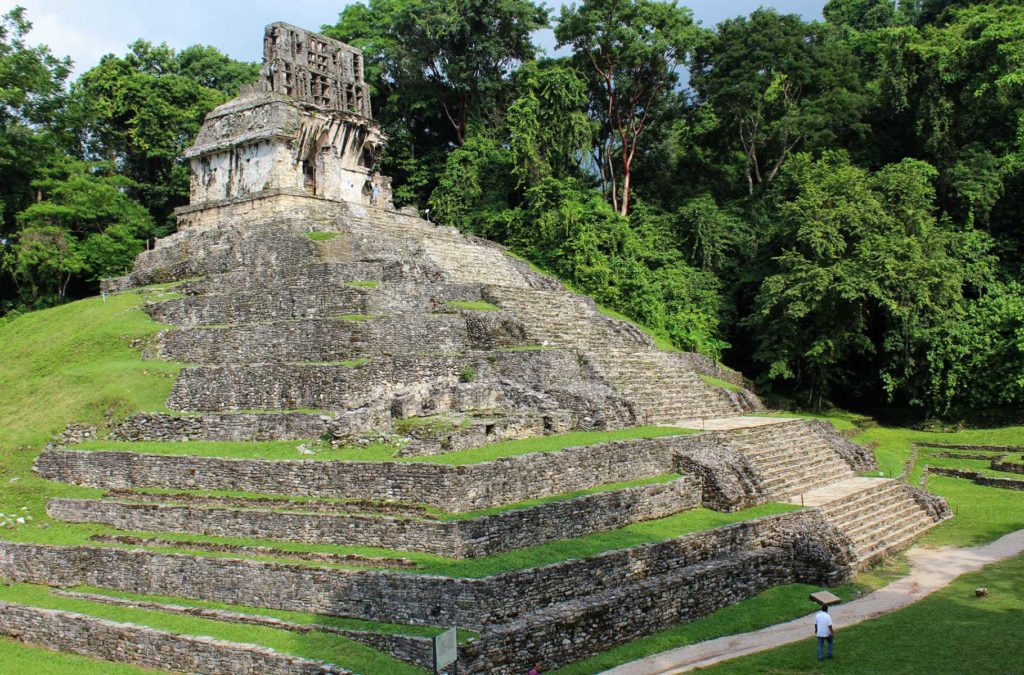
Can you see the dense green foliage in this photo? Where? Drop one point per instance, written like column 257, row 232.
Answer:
column 89, row 173
column 832, row 207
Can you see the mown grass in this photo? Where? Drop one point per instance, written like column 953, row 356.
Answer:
column 79, row 362
column 544, row 554
column 782, row 603
column 314, row 645
column 950, row 631
column 380, row 452
column 24, row 659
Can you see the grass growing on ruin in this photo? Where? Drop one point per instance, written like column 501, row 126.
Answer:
column 379, row 452
column 322, row 236
column 695, row 520
column 473, row 305
column 363, row 284
column 716, row 382
column 283, row 615
column 314, row 645
column 18, row 657
column 950, row 631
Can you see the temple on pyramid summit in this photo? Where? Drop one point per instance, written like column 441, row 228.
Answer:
column 305, row 128
column 388, row 359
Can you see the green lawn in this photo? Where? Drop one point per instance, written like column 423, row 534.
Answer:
column 382, row 452
column 24, row 659
column 950, row 631
column 322, row 236
column 313, row 645
column 782, row 603
column 473, row 305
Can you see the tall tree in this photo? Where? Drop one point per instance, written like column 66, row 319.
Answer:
column 632, row 52
column 778, row 85
column 139, row 112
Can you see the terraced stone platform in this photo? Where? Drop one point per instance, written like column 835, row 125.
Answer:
column 343, row 325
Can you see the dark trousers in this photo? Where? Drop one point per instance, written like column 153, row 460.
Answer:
column 821, row 645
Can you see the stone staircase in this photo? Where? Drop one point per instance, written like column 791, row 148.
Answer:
column 789, row 457
column 879, row 515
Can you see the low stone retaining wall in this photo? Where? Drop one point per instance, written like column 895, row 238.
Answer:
column 225, row 427
column 818, row 555
column 452, row 488
column 410, row 648
column 979, row 478
column 1008, row 467
column 481, row 536
column 141, row 646
column 562, row 635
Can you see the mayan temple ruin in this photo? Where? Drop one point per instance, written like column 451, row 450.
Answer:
column 307, row 309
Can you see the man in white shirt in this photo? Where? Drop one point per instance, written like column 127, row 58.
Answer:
column 823, row 631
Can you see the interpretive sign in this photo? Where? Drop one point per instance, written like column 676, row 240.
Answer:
column 446, row 649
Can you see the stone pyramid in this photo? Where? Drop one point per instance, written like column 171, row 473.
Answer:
column 310, row 308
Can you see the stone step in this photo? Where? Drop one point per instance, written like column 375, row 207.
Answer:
column 894, row 515
column 462, row 382
column 795, row 486
column 326, row 340
column 892, row 541
column 869, row 505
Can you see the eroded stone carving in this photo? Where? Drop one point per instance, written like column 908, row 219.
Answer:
column 306, row 128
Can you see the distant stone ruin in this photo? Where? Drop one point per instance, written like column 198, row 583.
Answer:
column 304, row 129
column 307, row 309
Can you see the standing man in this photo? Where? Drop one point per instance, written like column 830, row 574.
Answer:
column 823, row 631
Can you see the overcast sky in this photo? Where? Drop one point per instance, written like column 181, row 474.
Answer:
column 85, row 30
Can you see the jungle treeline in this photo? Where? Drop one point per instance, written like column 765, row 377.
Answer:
column 834, row 207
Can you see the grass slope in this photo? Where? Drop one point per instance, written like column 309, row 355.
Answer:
column 78, row 362
column 951, row 631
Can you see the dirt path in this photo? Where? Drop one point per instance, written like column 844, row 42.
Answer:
column 931, row 569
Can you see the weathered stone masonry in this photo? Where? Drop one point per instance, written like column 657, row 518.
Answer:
column 476, row 537
column 409, row 598
column 128, row 643
column 452, row 488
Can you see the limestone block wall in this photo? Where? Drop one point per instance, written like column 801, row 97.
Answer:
column 727, row 479
column 560, row 636
column 411, row 598
column 452, row 488
column 333, row 339
column 138, row 645
column 481, row 536
column 228, row 427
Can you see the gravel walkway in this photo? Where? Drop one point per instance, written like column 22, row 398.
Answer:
column 931, row 569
